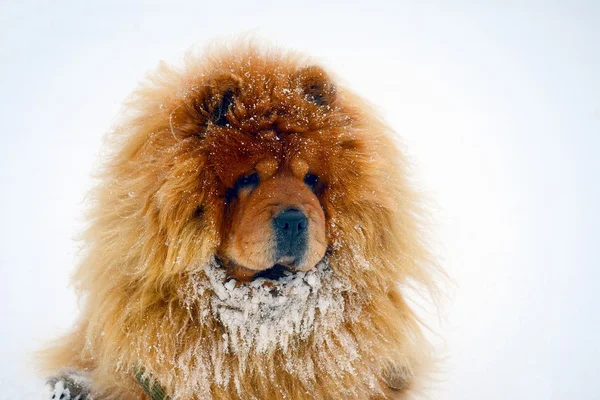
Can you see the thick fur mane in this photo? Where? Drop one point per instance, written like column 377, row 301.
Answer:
column 151, row 290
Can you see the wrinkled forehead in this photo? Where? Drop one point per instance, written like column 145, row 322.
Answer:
column 234, row 153
column 263, row 111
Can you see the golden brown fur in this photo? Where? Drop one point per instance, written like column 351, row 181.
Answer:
column 159, row 213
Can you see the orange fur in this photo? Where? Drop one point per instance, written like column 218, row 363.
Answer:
column 158, row 214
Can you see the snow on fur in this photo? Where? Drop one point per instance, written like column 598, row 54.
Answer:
column 263, row 316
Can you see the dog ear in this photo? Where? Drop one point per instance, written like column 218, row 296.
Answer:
column 220, row 94
column 316, row 86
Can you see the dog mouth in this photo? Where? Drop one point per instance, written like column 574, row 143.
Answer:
column 274, row 273
column 282, row 269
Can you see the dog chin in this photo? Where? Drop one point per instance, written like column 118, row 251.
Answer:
column 284, row 266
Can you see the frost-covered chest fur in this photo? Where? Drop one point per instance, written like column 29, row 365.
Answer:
column 263, row 315
column 293, row 329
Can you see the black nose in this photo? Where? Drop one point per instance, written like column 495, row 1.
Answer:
column 291, row 223
column 290, row 229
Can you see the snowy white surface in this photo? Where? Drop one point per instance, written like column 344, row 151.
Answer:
column 498, row 103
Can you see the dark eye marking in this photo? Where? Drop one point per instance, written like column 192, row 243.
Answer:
column 220, row 113
column 198, row 212
column 249, row 181
column 312, row 181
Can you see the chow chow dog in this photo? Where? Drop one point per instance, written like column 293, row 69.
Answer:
column 250, row 237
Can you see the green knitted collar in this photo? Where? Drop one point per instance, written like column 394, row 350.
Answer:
column 150, row 386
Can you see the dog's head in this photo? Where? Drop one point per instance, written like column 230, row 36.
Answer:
column 268, row 157
column 272, row 168
column 264, row 163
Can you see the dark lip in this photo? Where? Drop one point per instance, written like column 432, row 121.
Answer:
column 274, row 273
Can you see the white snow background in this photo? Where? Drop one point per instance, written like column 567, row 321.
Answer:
column 498, row 103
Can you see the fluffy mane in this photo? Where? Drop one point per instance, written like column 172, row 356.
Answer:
column 151, row 290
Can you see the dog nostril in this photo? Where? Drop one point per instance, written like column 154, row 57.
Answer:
column 302, row 225
column 291, row 222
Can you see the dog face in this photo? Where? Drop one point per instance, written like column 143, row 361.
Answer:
column 274, row 218
column 270, row 162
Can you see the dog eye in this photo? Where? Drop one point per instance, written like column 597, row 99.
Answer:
column 311, row 181
column 248, row 181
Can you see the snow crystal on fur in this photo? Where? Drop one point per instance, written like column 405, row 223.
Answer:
column 263, row 315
